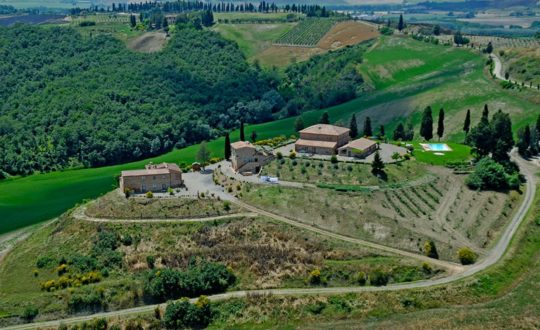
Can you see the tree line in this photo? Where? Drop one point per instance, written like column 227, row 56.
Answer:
column 220, row 7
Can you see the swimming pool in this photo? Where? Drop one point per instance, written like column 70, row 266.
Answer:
column 435, row 147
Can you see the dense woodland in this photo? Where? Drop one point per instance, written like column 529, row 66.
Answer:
column 70, row 101
column 66, row 100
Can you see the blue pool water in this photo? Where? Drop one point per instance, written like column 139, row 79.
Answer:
column 439, row 147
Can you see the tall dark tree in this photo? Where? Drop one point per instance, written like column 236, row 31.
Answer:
column 368, row 131
column 253, row 136
column 524, row 141
column 538, row 124
column 132, row 20
column 207, row 18
column 353, row 127
column 489, row 48
column 426, row 128
column 377, row 165
column 440, row 124
column 399, row 132
column 381, row 131
column 485, row 115
column 227, row 147
column 325, row 118
column 503, row 140
column 467, row 122
column 298, row 124
column 242, row 134
column 401, row 23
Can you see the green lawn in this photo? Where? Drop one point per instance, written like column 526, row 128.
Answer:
column 459, row 153
column 456, row 87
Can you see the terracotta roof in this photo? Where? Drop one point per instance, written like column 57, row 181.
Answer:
column 325, row 129
column 314, row 143
column 151, row 169
column 242, row 144
column 361, row 144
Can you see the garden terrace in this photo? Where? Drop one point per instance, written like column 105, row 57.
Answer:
column 440, row 209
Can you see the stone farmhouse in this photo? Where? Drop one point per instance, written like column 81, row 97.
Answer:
column 154, row 178
column 322, row 139
column 247, row 158
column 360, row 148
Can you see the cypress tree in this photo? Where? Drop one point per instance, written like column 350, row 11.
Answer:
column 377, row 165
column 242, row 135
column 538, row 124
column 399, row 132
column 467, row 122
column 298, row 124
column 132, row 20
column 431, row 250
column 485, row 115
column 440, row 126
column 426, row 129
column 367, row 127
column 381, row 131
column 401, row 24
column 353, row 127
column 227, row 147
column 253, row 136
column 325, row 118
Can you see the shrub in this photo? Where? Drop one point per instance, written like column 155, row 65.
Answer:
column 227, row 206
column 316, row 308
column 149, row 194
column 44, row 261
column 315, row 277
column 427, row 268
column 488, row 174
column 333, row 159
column 294, row 163
column 127, row 192
column 87, row 300
column 378, row 278
column 292, row 155
column 127, row 240
column 279, row 155
column 202, row 278
column 430, row 250
column 183, row 314
column 361, row 278
column 30, row 313
column 170, row 191
column 467, row 256
column 151, row 261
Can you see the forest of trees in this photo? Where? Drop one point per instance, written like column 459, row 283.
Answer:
column 68, row 101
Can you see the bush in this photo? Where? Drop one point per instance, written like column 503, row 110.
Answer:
column 427, row 268
column 333, row 159
column 202, row 278
column 279, row 155
column 292, row 155
column 149, row 194
column 315, row 277
column 183, row 314
column 44, row 261
column 227, row 206
column 430, row 250
column 87, row 300
column 30, row 313
column 467, row 256
column 127, row 240
column 488, row 174
column 151, row 261
column 170, row 191
column 378, row 278
column 361, row 278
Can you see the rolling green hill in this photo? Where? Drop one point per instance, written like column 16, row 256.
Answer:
column 442, row 77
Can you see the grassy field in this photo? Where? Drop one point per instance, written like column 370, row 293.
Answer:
column 455, row 85
column 262, row 254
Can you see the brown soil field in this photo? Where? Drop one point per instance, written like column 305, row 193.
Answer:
column 149, row 42
column 342, row 34
column 346, row 34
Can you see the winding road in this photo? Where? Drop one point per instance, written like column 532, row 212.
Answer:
column 494, row 255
